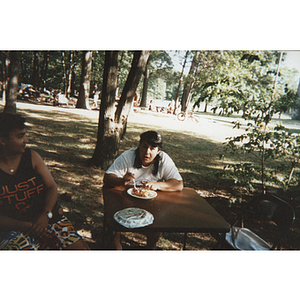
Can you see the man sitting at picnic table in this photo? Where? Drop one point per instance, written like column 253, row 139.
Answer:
column 149, row 165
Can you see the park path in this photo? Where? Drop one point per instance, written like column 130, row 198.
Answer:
column 208, row 127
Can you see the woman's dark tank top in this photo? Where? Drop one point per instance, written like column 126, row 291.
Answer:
column 22, row 193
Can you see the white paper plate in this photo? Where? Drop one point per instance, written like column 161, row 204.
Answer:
column 153, row 194
column 134, row 217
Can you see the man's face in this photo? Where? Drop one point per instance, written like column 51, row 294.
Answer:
column 16, row 142
column 147, row 153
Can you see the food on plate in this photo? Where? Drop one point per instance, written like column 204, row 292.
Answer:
column 133, row 217
column 143, row 192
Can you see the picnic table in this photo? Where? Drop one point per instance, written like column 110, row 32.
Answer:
column 182, row 212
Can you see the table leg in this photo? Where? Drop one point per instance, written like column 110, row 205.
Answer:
column 107, row 236
column 221, row 239
column 184, row 240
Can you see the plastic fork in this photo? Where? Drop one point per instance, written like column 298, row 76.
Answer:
column 134, row 185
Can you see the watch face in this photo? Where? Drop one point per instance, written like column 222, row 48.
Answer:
column 49, row 214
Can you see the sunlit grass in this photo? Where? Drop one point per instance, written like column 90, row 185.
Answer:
column 66, row 141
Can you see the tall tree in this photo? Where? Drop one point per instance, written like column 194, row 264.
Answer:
column 44, row 68
column 97, row 68
column 190, row 82
column 202, row 68
column 85, row 82
column 180, row 81
column 5, row 64
column 35, row 70
column 10, row 106
column 113, row 120
column 262, row 99
column 243, row 82
column 64, row 75
column 26, row 66
column 145, row 86
column 124, row 65
column 71, row 73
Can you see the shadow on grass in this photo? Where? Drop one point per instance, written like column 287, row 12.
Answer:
column 67, row 141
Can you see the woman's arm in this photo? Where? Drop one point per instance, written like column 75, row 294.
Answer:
column 114, row 180
column 171, row 185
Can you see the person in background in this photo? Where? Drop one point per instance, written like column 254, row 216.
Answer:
column 136, row 99
column 171, row 107
column 29, row 218
column 149, row 165
column 96, row 93
column 152, row 106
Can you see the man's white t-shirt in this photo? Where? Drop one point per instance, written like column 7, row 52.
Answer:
column 124, row 164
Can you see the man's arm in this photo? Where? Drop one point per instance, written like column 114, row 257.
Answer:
column 9, row 224
column 49, row 183
column 51, row 194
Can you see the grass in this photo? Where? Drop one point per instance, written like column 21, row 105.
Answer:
column 66, row 142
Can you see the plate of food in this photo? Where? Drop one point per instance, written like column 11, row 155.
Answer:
column 142, row 193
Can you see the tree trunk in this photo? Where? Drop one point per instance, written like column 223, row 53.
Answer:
column 13, row 84
column 112, row 121
column 180, row 82
column 85, row 81
column 145, row 89
column 5, row 62
column 35, row 70
column 73, row 82
column 44, row 68
column 107, row 138
column 72, row 65
column 23, row 73
column 64, row 78
column 138, row 65
column 145, row 86
column 189, row 84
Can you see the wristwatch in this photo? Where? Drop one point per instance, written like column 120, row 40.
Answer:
column 49, row 214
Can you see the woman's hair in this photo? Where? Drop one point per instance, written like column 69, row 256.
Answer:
column 10, row 122
column 154, row 139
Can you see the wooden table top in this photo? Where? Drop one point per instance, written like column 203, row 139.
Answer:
column 183, row 211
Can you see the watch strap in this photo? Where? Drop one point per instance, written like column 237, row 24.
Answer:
column 49, row 214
